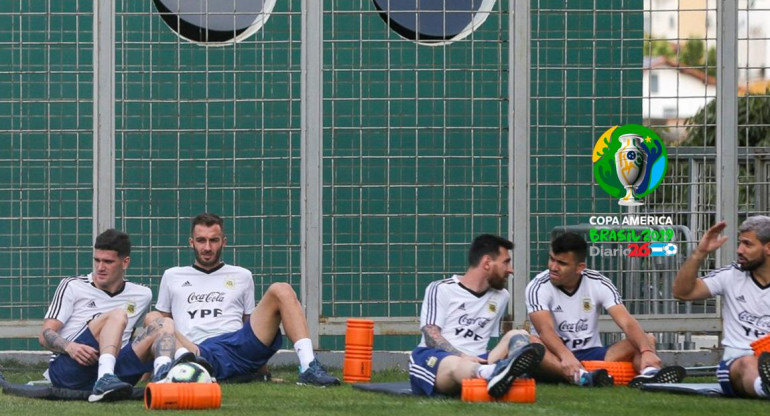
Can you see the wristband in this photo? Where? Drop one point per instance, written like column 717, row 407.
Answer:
column 647, row 350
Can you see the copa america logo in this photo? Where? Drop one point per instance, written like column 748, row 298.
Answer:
column 629, row 162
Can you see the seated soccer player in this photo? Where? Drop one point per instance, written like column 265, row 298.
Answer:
column 90, row 321
column 563, row 304
column 745, row 290
column 459, row 316
column 212, row 304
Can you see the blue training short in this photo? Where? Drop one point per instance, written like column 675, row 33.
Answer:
column 237, row 353
column 591, row 354
column 67, row 373
column 723, row 376
column 423, row 368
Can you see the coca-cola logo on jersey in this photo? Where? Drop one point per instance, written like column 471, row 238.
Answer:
column 580, row 325
column 206, row 297
column 760, row 322
column 467, row 321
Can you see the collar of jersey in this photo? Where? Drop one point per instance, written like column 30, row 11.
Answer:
column 221, row 265
column 477, row 294
column 756, row 282
column 580, row 281
column 111, row 294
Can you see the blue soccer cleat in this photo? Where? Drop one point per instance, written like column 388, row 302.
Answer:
column 110, row 388
column 316, row 375
column 763, row 367
column 672, row 374
column 506, row 370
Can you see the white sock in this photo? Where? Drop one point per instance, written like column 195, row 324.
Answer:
column 758, row 387
column 158, row 362
column 485, row 371
column 649, row 371
column 304, row 350
column 180, row 351
column 106, row 365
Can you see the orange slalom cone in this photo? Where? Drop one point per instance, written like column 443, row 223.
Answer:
column 182, row 396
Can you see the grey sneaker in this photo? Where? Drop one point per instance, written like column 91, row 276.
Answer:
column 110, row 388
column 763, row 367
column 506, row 370
column 317, row 376
column 672, row 374
column 596, row 378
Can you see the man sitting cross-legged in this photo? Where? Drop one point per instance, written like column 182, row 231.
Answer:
column 459, row 316
column 563, row 304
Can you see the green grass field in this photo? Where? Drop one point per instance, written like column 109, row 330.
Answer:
column 288, row 399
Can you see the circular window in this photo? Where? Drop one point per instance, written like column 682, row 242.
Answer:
column 434, row 22
column 215, row 23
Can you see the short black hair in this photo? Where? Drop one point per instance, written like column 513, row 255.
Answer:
column 486, row 244
column 114, row 240
column 570, row 242
column 208, row 219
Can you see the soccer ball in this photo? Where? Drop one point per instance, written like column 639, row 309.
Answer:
column 189, row 373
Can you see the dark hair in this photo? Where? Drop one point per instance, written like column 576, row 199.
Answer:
column 208, row 219
column 570, row 242
column 114, row 240
column 486, row 244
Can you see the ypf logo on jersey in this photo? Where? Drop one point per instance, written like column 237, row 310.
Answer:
column 629, row 162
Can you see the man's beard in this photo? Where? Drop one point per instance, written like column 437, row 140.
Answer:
column 213, row 262
column 753, row 264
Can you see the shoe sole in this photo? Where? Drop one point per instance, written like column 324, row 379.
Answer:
column 530, row 356
column 666, row 375
column 121, row 393
column 763, row 367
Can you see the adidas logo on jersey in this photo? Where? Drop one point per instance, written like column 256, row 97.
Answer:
column 91, row 304
column 741, row 299
column 558, row 309
column 461, row 307
column 186, row 284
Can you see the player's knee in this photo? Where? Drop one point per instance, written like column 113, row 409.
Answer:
column 282, row 291
column 117, row 316
column 742, row 366
column 151, row 318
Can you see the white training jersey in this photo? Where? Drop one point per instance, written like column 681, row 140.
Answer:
column 206, row 304
column 467, row 319
column 77, row 301
column 575, row 315
column 745, row 306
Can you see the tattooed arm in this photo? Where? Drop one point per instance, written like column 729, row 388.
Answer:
column 434, row 339
column 49, row 336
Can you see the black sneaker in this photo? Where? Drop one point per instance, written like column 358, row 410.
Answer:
column 596, row 378
column 506, row 370
column 672, row 374
column 763, row 367
column 110, row 388
column 316, row 375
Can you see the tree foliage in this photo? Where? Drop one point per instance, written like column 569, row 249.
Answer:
column 753, row 122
